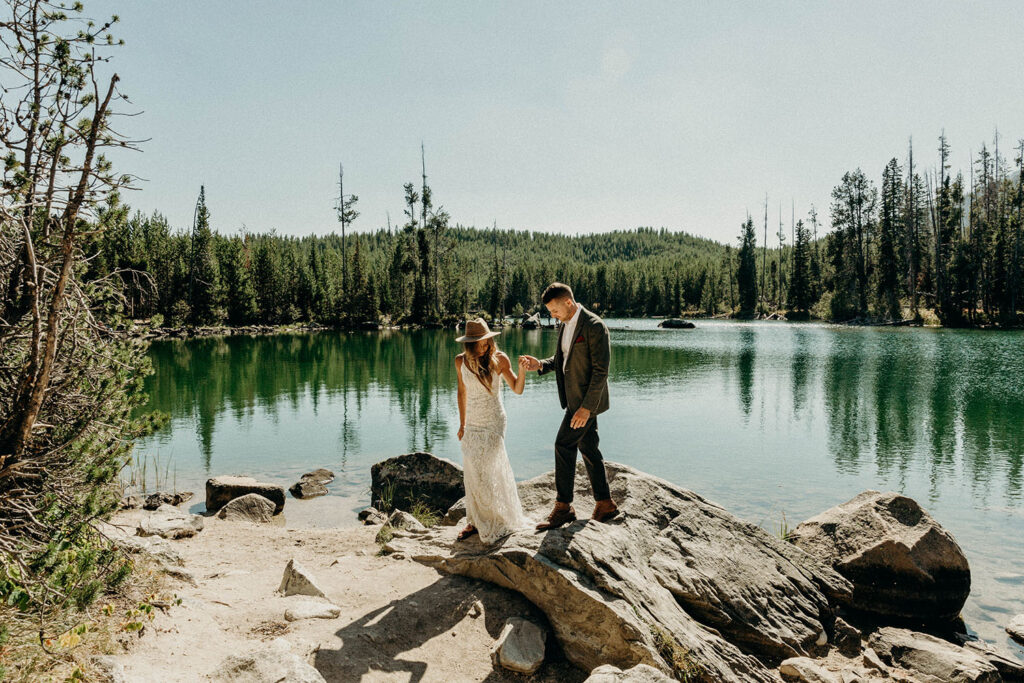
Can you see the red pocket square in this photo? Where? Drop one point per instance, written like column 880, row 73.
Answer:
column 578, row 339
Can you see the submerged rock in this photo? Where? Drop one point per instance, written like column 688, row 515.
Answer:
column 676, row 582
column 221, row 490
column 901, row 561
column 405, row 480
column 312, row 484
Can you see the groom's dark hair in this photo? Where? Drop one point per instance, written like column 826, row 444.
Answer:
column 557, row 290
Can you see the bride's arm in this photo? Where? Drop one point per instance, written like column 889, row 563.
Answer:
column 517, row 382
column 461, row 396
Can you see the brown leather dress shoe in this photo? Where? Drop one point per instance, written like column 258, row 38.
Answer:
column 604, row 510
column 558, row 517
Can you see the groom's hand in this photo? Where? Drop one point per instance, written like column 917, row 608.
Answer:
column 529, row 362
column 579, row 418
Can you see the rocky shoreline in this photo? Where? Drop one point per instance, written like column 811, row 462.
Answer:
column 678, row 588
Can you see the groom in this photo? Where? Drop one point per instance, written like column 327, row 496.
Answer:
column 581, row 367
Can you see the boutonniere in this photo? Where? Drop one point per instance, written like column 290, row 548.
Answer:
column 578, row 339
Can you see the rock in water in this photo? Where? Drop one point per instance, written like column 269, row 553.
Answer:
column 641, row 673
column 269, row 664
column 312, row 484
column 402, row 481
column 298, row 581
column 901, row 562
column 520, row 647
column 675, row 582
column 928, row 656
column 221, row 490
column 168, row 521
column 1016, row 628
column 252, row 507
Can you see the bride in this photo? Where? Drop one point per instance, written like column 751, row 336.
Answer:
column 492, row 501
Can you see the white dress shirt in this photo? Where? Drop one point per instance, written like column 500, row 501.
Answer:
column 568, row 334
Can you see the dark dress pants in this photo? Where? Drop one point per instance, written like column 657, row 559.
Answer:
column 586, row 440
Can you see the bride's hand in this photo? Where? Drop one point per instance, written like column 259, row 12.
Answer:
column 524, row 363
column 462, row 430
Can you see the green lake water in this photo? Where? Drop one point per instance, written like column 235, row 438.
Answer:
column 773, row 421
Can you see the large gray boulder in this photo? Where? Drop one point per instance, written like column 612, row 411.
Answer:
column 901, row 562
column 402, row 481
column 676, row 582
column 252, row 507
column 271, row 663
column 931, row 659
column 169, row 522
column 221, row 490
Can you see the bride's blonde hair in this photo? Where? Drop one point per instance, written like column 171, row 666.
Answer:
column 481, row 363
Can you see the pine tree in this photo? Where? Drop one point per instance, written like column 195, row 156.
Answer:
column 746, row 273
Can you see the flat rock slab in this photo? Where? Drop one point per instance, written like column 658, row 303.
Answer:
column 931, row 659
column 221, row 490
column 169, row 522
column 307, row 608
column 298, row 581
column 641, row 673
column 420, row 477
column 272, row 663
column 520, row 646
column 252, row 507
column 807, row 670
column 676, row 582
column 901, row 561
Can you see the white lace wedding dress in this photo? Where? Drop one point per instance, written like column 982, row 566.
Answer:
column 492, row 500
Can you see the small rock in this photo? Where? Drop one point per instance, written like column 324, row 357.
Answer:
column 153, row 546
column 850, row 676
column 168, row 521
column 155, row 500
column 806, row 669
column 871, row 660
column 403, row 520
column 846, row 638
column 312, row 609
column 132, row 502
column 371, row 516
column 110, row 667
column 1016, row 628
column 456, row 513
column 252, row 507
column 926, row 655
column 180, row 574
column 269, row 664
column 312, row 484
column 641, row 673
column 520, row 647
column 476, row 609
column 221, row 490
column 298, row 581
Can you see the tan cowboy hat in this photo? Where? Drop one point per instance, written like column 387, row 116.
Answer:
column 477, row 330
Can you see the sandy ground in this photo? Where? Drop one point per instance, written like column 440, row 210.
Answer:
column 400, row 621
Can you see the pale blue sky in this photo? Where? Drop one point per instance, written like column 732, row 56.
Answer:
column 569, row 116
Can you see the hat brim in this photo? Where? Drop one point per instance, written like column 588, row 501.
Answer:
column 467, row 339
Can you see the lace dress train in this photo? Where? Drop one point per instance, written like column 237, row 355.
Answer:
column 492, row 500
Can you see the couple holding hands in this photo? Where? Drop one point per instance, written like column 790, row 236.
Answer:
column 580, row 363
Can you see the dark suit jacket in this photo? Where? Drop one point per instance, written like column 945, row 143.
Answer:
column 584, row 382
